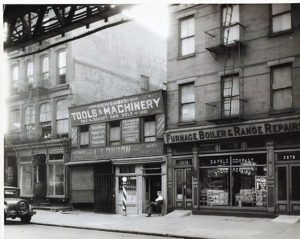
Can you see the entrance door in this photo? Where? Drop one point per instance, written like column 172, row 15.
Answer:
column 183, row 190
column 288, row 193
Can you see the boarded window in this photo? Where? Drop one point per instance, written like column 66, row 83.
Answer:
column 187, row 102
column 187, row 36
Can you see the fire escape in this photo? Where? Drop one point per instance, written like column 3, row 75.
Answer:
column 225, row 42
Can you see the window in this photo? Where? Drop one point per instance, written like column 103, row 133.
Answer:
column 231, row 97
column 25, row 179
column 62, row 67
column 29, row 122
column 144, row 83
column 187, row 101
column 45, row 112
column 84, row 136
column 15, row 120
column 281, row 17
column 15, row 77
column 45, row 68
column 114, row 133
column 128, row 168
column 187, row 36
column 282, row 87
column 56, row 179
column 231, row 19
column 62, row 125
column 29, row 72
column 149, row 129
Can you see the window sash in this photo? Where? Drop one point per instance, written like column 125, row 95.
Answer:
column 84, row 138
column 187, row 46
column 29, row 72
column 187, row 36
column 282, row 77
column 231, row 87
column 61, row 109
column 45, row 112
column 187, row 93
column 29, row 115
column 235, row 15
column 280, row 8
column 281, row 17
column 62, row 126
column 282, row 99
column 187, row 112
column 115, row 134
column 149, row 131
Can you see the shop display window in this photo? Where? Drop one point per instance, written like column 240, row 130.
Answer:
column 237, row 180
column 56, row 180
column 26, row 179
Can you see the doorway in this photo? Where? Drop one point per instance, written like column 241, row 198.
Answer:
column 288, row 184
column 40, row 176
column 183, row 188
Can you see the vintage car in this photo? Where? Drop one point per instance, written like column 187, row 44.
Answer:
column 16, row 207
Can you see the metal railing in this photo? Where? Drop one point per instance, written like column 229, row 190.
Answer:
column 215, row 38
column 20, row 137
column 228, row 108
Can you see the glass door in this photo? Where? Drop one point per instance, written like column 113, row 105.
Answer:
column 288, row 189
column 183, row 190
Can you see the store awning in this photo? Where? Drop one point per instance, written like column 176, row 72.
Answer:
column 87, row 162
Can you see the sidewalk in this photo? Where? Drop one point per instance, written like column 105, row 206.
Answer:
column 194, row 226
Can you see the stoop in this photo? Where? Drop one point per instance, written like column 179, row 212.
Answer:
column 179, row 213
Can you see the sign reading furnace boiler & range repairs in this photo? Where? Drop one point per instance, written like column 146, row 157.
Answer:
column 127, row 107
column 287, row 126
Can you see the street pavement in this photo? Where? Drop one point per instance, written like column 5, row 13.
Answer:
column 178, row 225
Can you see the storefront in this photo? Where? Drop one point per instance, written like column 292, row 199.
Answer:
column 252, row 166
column 113, row 139
column 39, row 171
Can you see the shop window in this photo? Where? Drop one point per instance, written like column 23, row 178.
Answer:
column 183, row 149
column 15, row 122
column 56, row 180
column 25, row 179
column 231, row 19
column 127, row 168
column 29, row 73
column 149, row 129
column 187, row 36
column 187, row 103
column 15, row 78
column 230, row 145
column 62, row 67
column 237, row 180
column 282, row 93
column 56, row 157
column 62, row 122
column 114, row 133
column 205, row 148
column 84, row 136
column 281, row 17
column 45, row 68
column 230, row 96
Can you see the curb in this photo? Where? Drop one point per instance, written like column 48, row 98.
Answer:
column 119, row 231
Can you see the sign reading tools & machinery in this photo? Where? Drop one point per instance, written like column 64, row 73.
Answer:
column 121, row 108
column 253, row 129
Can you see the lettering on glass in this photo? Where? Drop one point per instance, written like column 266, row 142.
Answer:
column 98, row 135
column 131, row 131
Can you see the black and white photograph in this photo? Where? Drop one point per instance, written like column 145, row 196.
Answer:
column 150, row 120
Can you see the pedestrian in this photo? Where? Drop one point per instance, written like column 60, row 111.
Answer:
column 156, row 206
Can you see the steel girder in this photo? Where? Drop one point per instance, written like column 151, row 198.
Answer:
column 29, row 24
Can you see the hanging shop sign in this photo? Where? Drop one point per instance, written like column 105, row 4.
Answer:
column 287, row 126
column 122, row 151
column 121, row 108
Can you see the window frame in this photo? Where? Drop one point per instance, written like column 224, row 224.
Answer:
column 223, row 78
column 86, row 130
column 54, row 163
column 180, row 39
column 13, row 121
column 149, row 119
column 60, row 119
column 180, row 86
column 231, row 25
column 29, row 78
column 273, row 34
column 42, row 72
column 115, row 142
column 59, row 81
column 271, row 88
column 14, row 82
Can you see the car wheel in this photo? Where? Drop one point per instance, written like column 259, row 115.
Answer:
column 26, row 219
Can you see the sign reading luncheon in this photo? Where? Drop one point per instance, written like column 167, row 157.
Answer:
column 234, row 131
column 127, row 107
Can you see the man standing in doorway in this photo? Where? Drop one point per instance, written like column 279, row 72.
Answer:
column 156, row 206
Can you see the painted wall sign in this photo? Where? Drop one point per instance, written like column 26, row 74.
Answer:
column 130, row 150
column 131, row 131
column 98, row 135
column 286, row 126
column 127, row 107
